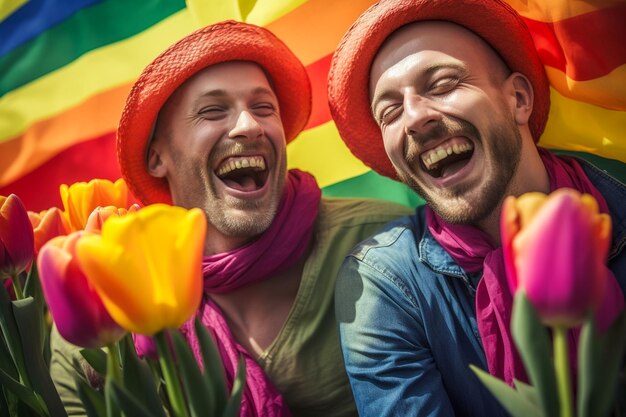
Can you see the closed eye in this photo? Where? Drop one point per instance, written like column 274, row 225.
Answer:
column 389, row 114
column 213, row 112
column 264, row 109
column 443, row 86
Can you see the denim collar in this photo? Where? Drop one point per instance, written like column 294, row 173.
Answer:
column 431, row 253
column 614, row 193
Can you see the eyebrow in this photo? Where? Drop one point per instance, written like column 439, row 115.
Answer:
column 428, row 71
column 219, row 93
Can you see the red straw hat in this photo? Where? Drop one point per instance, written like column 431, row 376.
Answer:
column 348, row 84
column 221, row 42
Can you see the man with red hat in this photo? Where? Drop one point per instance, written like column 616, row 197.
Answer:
column 206, row 125
column 450, row 97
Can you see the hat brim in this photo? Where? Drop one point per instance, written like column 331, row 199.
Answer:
column 221, row 42
column 348, row 85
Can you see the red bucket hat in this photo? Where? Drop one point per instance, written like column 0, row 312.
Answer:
column 348, row 84
column 221, row 42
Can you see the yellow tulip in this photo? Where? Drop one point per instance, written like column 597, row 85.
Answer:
column 146, row 266
column 81, row 198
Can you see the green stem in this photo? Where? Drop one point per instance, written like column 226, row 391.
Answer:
column 563, row 377
column 172, row 384
column 17, row 287
column 114, row 374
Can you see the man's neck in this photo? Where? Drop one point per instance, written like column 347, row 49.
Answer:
column 531, row 176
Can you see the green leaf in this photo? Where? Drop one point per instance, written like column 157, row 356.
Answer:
column 213, row 369
column 599, row 359
column 193, row 383
column 96, row 358
column 529, row 392
column 27, row 317
column 91, row 399
column 234, row 403
column 129, row 405
column 6, row 361
column 8, row 328
column 138, row 378
column 515, row 402
column 533, row 343
column 25, row 394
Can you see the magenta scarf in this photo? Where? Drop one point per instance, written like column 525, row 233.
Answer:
column 472, row 249
column 277, row 249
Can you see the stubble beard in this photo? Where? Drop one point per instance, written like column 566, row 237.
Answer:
column 244, row 218
column 464, row 205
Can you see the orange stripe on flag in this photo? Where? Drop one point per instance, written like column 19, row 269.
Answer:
column 314, row 29
column 94, row 117
column 608, row 91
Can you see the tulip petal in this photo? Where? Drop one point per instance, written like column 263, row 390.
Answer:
column 76, row 308
column 146, row 266
column 16, row 235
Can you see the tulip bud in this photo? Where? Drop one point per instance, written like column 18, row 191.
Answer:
column 146, row 266
column 101, row 214
column 16, row 237
column 555, row 249
column 76, row 307
column 81, row 198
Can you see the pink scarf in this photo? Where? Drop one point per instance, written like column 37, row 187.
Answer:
column 277, row 249
column 472, row 250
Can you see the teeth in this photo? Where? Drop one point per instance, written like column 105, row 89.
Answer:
column 243, row 162
column 435, row 155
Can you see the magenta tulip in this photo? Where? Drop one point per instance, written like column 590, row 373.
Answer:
column 16, row 237
column 555, row 249
column 76, row 307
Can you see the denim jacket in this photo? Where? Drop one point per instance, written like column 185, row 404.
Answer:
column 408, row 324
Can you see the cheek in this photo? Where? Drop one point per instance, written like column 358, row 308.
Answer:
column 393, row 140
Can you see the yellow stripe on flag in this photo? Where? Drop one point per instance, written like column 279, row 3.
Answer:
column 259, row 12
column 266, row 11
column 9, row 6
column 99, row 70
column 555, row 10
column 608, row 91
column 321, row 152
column 578, row 126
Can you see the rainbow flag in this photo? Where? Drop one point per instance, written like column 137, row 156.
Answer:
column 66, row 67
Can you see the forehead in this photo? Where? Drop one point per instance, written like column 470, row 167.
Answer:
column 432, row 40
column 230, row 77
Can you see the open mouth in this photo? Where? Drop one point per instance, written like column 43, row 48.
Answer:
column 448, row 157
column 243, row 173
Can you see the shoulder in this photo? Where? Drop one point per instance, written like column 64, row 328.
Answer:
column 353, row 211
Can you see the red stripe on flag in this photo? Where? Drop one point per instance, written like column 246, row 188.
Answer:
column 318, row 74
column 39, row 189
column 584, row 47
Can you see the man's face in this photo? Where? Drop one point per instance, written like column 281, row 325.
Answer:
column 436, row 91
column 221, row 146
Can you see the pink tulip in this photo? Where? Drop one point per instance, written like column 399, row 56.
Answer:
column 76, row 307
column 555, row 249
column 16, row 237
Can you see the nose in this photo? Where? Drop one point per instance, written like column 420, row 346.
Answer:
column 419, row 114
column 246, row 126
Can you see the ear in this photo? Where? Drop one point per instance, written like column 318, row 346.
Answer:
column 156, row 164
column 522, row 97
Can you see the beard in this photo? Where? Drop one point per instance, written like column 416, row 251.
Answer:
column 464, row 205
column 230, row 216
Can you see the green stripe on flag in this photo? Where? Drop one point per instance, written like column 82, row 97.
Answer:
column 88, row 29
column 373, row 185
